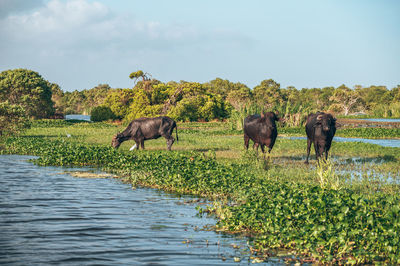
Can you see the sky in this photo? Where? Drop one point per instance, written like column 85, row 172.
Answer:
column 79, row 44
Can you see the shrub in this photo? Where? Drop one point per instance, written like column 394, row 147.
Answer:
column 101, row 113
column 12, row 118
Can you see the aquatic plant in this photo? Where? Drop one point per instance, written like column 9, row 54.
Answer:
column 326, row 175
column 333, row 226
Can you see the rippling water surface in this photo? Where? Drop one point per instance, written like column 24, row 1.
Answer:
column 382, row 142
column 50, row 217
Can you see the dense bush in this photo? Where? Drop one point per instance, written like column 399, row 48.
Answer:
column 199, row 108
column 101, row 113
column 12, row 118
column 27, row 89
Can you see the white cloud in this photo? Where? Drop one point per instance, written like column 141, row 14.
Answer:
column 69, row 23
column 8, row 7
column 89, row 39
column 57, row 17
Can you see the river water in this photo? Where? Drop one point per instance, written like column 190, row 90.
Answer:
column 47, row 216
column 77, row 117
column 381, row 142
column 396, row 120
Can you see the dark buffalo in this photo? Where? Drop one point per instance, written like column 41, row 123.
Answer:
column 145, row 128
column 320, row 129
column 261, row 129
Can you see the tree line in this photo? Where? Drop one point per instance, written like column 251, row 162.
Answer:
column 221, row 99
column 25, row 93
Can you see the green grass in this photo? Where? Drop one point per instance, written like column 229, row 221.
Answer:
column 347, row 212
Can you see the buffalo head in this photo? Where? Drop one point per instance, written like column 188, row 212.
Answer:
column 117, row 140
column 271, row 115
column 326, row 121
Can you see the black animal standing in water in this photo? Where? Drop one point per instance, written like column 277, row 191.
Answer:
column 320, row 129
column 261, row 129
column 145, row 128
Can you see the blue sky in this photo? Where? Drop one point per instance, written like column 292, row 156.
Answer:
column 79, row 44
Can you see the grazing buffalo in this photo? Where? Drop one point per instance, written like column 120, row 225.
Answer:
column 261, row 129
column 147, row 128
column 320, row 129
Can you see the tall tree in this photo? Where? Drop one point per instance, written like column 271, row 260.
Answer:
column 268, row 94
column 29, row 90
column 146, row 78
column 374, row 95
column 96, row 96
column 345, row 98
column 223, row 87
column 396, row 94
column 57, row 96
column 119, row 100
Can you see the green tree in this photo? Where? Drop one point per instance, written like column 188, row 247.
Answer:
column 57, row 96
column 139, row 74
column 96, row 96
column 74, row 102
column 119, row 101
column 224, row 87
column 150, row 102
column 375, row 95
column 29, row 90
column 239, row 98
column 345, row 99
column 194, row 103
column 268, row 94
column 101, row 113
column 396, row 94
column 146, row 78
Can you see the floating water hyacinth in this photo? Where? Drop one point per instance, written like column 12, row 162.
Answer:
column 283, row 206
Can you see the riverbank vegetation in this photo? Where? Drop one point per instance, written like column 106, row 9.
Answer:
column 217, row 99
column 344, row 211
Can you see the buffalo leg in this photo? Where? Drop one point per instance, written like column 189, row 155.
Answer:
column 142, row 144
column 262, row 148
column 170, row 141
column 255, row 146
column 308, row 149
column 246, row 142
column 328, row 146
column 316, row 148
column 271, row 145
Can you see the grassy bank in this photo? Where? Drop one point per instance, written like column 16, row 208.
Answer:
column 328, row 214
